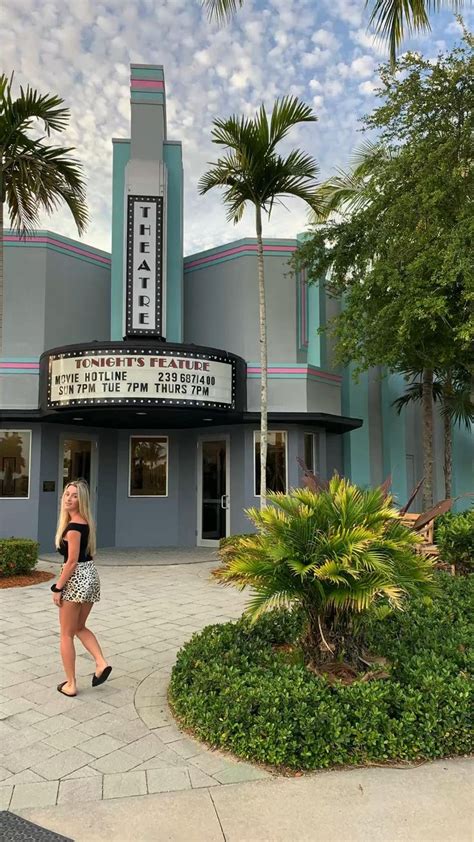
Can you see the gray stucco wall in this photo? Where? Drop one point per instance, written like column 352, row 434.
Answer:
column 142, row 521
column 19, row 391
column 19, row 516
column 334, row 455
column 284, row 394
column 52, row 438
column 24, row 300
column 221, row 308
column 77, row 301
column 323, row 397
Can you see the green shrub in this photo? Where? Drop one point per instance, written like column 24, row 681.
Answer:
column 17, row 555
column 455, row 539
column 229, row 539
column 236, row 691
column 338, row 552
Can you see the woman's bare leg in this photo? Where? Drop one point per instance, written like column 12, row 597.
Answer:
column 68, row 621
column 88, row 638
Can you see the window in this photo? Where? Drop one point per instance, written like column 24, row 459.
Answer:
column 276, row 462
column 311, row 452
column 148, row 466
column 15, row 455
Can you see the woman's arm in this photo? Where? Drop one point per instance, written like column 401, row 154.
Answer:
column 73, row 546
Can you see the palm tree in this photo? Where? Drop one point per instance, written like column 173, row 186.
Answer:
column 252, row 172
column 391, row 19
column 338, row 552
column 35, row 177
column 453, row 390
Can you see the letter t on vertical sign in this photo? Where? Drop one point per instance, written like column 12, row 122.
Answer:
column 144, row 266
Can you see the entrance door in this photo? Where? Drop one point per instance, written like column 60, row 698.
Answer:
column 213, row 486
column 78, row 460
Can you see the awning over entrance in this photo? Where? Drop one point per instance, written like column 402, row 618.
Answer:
column 169, row 419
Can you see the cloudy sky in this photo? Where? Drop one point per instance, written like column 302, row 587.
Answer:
column 82, row 49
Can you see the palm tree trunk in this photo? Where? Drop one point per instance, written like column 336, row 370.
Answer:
column 1, row 269
column 448, row 455
column 263, row 362
column 427, row 404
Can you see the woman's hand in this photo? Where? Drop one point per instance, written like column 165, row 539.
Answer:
column 57, row 597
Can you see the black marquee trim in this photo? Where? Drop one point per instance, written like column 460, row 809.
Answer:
column 157, row 330
column 238, row 374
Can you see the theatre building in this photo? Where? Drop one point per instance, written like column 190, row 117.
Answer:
column 139, row 370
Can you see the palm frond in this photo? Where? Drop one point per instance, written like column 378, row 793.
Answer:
column 394, row 19
column 287, row 113
column 222, row 10
column 37, row 176
column 251, row 171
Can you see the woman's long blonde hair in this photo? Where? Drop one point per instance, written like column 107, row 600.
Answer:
column 83, row 498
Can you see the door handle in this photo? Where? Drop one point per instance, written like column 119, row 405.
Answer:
column 224, row 501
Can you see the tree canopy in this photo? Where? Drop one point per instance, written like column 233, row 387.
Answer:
column 401, row 257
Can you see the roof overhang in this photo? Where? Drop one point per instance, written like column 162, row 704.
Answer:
column 164, row 418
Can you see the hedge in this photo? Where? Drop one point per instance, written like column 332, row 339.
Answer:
column 234, row 690
column 17, row 555
column 455, row 539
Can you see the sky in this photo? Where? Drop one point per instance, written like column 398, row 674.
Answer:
column 319, row 51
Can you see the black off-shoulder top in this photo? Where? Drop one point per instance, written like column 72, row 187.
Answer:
column 83, row 528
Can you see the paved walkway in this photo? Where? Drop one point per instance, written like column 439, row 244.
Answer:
column 432, row 803
column 139, row 557
column 114, row 743
column 118, row 739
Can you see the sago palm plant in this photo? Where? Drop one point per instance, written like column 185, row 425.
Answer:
column 338, row 553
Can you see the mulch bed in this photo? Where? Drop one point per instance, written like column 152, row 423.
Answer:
column 22, row 580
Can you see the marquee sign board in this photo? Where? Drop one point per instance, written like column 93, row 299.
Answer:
column 144, row 266
column 121, row 376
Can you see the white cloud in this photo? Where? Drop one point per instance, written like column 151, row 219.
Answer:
column 363, row 66
column 346, row 10
column 369, row 41
column 367, row 88
column 333, row 87
column 316, row 58
column 325, row 38
column 82, row 49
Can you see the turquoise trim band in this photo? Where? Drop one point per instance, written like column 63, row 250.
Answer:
column 244, row 241
column 59, row 244
column 147, row 96
column 121, row 156
column 9, row 371
column 138, row 72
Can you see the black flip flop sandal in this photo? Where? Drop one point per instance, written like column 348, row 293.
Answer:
column 59, row 688
column 99, row 679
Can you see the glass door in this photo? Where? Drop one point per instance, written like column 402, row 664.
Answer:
column 77, row 460
column 213, row 485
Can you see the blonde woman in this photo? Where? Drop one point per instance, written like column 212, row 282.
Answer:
column 78, row 586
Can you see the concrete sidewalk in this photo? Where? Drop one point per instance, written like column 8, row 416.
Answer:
column 431, row 803
column 113, row 764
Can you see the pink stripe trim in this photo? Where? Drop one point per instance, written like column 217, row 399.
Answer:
column 152, row 84
column 51, row 242
column 303, row 295
column 239, row 249
column 306, row 370
column 19, row 365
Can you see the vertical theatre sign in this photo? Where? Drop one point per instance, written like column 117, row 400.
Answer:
column 144, row 266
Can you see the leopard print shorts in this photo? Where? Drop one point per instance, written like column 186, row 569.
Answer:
column 84, row 584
